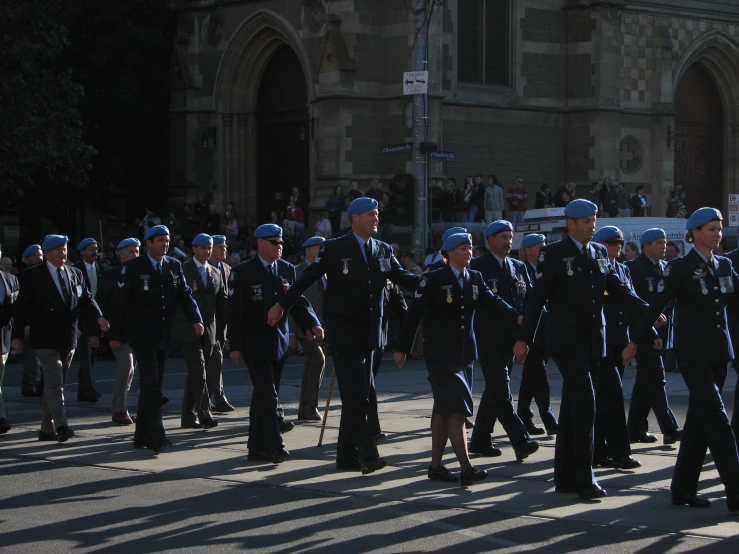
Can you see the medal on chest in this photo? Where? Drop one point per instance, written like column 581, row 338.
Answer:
column 448, row 289
column 257, row 293
column 174, row 279
column 726, row 283
column 494, row 285
column 568, row 265
column 345, row 262
column 650, row 283
column 521, row 285
column 146, row 281
column 384, row 261
column 285, row 284
column 194, row 285
column 602, row 264
column 475, row 292
column 700, row 276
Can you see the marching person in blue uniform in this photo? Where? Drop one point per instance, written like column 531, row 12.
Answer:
column 439, row 262
column 108, row 288
column 450, row 298
column 534, row 382
column 210, row 296
column 256, row 285
column 702, row 284
column 508, row 279
column 573, row 276
column 732, row 312
column 214, row 367
column 88, row 343
column 8, row 296
column 143, row 313
column 649, row 387
column 50, row 302
column 612, row 448
column 357, row 267
column 32, row 383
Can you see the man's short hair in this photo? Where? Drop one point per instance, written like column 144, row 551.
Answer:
column 673, row 244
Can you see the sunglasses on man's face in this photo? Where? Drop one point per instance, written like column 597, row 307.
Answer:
column 274, row 242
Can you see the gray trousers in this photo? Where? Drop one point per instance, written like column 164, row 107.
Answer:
column 54, row 365
column 3, row 359
column 125, row 364
column 31, row 369
column 214, row 373
column 195, row 395
column 315, row 364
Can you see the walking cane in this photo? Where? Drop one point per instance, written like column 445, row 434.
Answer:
column 328, row 403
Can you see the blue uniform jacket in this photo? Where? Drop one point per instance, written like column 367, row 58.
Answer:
column 645, row 276
column 354, row 301
column 53, row 322
column 701, row 328
column 108, row 287
column 617, row 316
column 252, row 292
column 540, row 336
column 89, row 324
column 732, row 308
column 512, row 284
column 447, row 311
column 573, row 287
column 143, row 311
column 7, row 308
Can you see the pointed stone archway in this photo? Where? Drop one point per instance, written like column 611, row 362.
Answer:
column 235, row 101
column 717, row 58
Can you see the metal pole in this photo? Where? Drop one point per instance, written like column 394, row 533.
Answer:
column 420, row 130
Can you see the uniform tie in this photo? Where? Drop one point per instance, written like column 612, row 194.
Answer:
column 586, row 251
column 63, row 284
column 461, row 279
column 158, row 269
column 367, row 251
column 93, row 281
column 203, row 275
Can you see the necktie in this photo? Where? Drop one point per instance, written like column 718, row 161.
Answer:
column 586, row 251
column 63, row 284
column 368, row 251
column 158, row 269
column 203, row 275
column 461, row 279
column 93, row 281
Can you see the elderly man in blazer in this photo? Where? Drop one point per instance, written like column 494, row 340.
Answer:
column 51, row 301
column 210, row 295
column 214, row 367
column 8, row 296
column 92, row 273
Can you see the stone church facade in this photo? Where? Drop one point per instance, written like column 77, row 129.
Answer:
column 267, row 95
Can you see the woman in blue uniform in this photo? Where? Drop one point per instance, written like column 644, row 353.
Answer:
column 702, row 284
column 449, row 298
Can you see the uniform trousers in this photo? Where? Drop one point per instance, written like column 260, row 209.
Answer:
column 3, row 359
column 32, row 379
column 353, row 372
column 195, row 395
column 313, row 369
column 123, row 378
column 649, row 393
column 735, row 413
column 373, row 416
column 573, row 449
column 706, row 427
column 86, row 356
column 611, row 434
column 264, row 428
column 497, row 403
column 535, row 385
column 214, row 373
column 149, row 424
column 55, row 366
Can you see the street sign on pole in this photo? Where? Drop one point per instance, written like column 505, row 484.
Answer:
column 443, row 156
column 734, row 210
column 402, row 148
column 415, row 82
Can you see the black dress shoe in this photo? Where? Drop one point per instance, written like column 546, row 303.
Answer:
column 642, row 437
column 534, row 430
column 468, row 424
column 441, row 473
column 525, row 448
column 349, row 466
column 87, row 397
column 732, row 502
column 370, row 466
column 485, row 450
column 140, row 443
column 281, row 456
column 590, row 492
column 671, row 437
column 259, row 457
column 161, row 447
column 690, row 500
column 565, row 489
column 63, row 433
column 552, row 430
column 379, row 437
column 626, row 462
column 4, row 426
column 209, row 423
column 190, row 424
column 223, row 407
column 33, row 393
column 47, row 436
column 604, row 461
column 470, row 475
column 286, row 426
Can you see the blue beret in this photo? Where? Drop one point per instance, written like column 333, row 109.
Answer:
column 580, row 208
column 532, row 240
column 452, row 231
column 30, row 250
column 202, row 240
column 129, row 242
column 455, row 240
column 607, row 233
column 702, row 216
column 313, row 241
column 85, row 243
column 219, row 239
column 268, row 230
column 361, row 205
column 179, row 252
column 156, row 231
column 650, row 235
column 53, row 241
column 498, row 226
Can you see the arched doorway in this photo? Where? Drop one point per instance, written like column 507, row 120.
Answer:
column 699, row 138
column 283, row 132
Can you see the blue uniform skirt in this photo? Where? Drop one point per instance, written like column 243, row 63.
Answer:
column 451, row 387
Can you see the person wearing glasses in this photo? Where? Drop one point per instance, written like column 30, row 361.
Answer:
column 649, row 391
column 255, row 286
